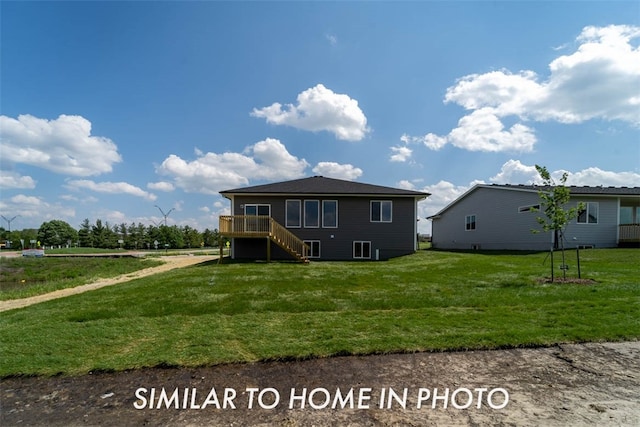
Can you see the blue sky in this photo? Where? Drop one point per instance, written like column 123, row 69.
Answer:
column 108, row 109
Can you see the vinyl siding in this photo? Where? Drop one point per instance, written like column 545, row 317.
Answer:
column 499, row 225
column 604, row 234
column 389, row 239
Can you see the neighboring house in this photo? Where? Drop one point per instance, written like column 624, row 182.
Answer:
column 502, row 217
column 335, row 219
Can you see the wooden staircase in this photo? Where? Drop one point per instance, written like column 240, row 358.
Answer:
column 252, row 226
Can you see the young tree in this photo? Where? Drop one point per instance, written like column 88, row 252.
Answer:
column 553, row 199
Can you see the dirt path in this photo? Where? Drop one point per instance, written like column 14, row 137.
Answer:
column 170, row 263
column 566, row 385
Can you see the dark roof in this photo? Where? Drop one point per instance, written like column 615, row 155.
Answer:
column 612, row 191
column 319, row 185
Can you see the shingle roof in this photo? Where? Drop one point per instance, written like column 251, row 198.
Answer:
column 321, row 185
column 613, row 191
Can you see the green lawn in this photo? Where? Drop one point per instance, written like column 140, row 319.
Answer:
column 23, row 277
column 210, row 314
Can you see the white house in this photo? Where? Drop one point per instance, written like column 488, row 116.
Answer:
column 496, row 217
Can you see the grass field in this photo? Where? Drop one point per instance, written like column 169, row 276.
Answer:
column 22, row 277
column 235, row 312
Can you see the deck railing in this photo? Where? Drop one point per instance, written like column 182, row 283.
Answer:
column 629, row 233
column 263, row 226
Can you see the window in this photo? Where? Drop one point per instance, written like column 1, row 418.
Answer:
column 330, row 213
column 257, row 210
column 361, row 250
column 381, row 210
column 470, row 222
column 293, row 213
column 312, row 213
column 530, row 208
column 589, row 215
column 314, row 252
column 256, row 224
column 629, row 215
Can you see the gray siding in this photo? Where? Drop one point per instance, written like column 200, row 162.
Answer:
column 389, row 239
column 604, row 234
column 499, row 225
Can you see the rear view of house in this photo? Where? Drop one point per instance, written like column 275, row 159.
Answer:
column 321, row 218
column 502, row 217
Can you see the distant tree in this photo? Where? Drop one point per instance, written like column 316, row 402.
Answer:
column 56, row 233
column 84, row 234
column 103, row 236
column 553, row 199
column 192, row 237
column 210, row 238
column 136, row 236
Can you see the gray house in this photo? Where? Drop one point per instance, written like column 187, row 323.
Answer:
column 321, row 218
column 502, row 217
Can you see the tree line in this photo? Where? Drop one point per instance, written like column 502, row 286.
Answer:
column 58, row 233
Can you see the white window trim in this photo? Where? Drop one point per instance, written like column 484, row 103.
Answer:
column 355, row 242
column 286, row 213
column 529, row 208
column 586, row 208
column 305, row 216
column 475, row 222
column 381, row 202
column 309, row 242
column 329, row 226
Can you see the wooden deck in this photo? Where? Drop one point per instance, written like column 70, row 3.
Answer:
column 629, row 233
column 257, row 226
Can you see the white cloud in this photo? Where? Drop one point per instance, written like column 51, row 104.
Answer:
column 332, row 38
column 483, row 131
column 401, row 154
column 338, row 171
column 595, row 176
column 600, row 80
column 406, row 185
column 31, row 207
column 211, row 172
column 204, row 209
column 515, row 172
column 161, row 186
column 319, row 109
column 110, row 188
column 14, row 180
column 64, row 145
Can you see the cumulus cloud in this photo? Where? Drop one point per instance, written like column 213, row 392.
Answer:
column 211, row 172
column 161, row 186
column 64, row 145
column 35, row 208
column 110, row 188
column 319, row 109
column 515, row 172
column 10, row 180
column 401, row 154
column 338, row 171
column 599, row 80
